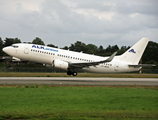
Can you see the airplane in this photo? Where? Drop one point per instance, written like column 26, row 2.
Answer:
column 72, row 62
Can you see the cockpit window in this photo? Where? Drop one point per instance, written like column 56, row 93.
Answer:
column 15, row 46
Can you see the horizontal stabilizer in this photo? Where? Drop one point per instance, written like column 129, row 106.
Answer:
column 142, row 65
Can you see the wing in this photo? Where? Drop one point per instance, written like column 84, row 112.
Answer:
column 87, row 64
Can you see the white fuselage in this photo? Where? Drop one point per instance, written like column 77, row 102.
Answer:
column 46, row 55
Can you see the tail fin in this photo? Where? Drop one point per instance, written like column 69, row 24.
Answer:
column 134, row 54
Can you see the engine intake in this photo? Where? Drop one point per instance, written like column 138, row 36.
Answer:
column 60, row 64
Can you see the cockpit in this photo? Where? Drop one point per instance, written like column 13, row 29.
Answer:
column 15, row 46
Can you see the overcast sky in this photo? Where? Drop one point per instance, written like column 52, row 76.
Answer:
column 63, row 22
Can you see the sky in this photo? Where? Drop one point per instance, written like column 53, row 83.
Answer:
column 64, row 22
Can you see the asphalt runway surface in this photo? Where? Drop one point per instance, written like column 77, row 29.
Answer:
column 78, row 81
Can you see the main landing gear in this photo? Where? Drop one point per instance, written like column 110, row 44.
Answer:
column 74, row 73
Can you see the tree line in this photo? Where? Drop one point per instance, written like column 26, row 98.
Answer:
column 150, row 55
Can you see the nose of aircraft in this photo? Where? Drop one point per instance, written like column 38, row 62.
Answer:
column 6, row 50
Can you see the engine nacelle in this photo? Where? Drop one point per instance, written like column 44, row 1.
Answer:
column 47, row 65
column 60, row 64
column 14, row 59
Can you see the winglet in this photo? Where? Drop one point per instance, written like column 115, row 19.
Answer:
column 111, row 57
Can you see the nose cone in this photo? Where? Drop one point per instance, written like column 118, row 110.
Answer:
column 6, row 50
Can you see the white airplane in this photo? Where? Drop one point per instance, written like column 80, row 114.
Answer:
column 74, row 61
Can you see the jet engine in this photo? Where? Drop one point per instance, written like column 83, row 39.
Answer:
column 60, row 64
column 47, row 65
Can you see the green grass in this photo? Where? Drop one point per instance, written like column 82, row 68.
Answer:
column 119, row 75
column 47, row 102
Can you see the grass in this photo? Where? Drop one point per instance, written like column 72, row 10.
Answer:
column 127, row 75
column 52, row 102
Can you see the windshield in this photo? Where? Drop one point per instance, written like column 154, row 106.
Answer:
column 15, row 46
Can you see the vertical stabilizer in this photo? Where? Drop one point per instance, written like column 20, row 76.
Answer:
column 134, row 54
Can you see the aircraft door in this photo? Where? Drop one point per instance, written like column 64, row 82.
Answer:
column 116, row 66
column 26, row 49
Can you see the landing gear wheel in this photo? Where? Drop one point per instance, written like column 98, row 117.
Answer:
column 69, row 73
column 74, row 73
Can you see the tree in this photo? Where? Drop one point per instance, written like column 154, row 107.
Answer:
column 38, row 41
column 122, row 50
column 16, row 40
column 78, row 47
column 10, row 41
column 1, row 46
column 101, row 51
column 65, row 48
column 92, row 49
column 114, row 48
column 108, row 49
column 51, row 45
column 150, row 52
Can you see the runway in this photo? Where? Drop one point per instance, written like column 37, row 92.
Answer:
column 78, row 81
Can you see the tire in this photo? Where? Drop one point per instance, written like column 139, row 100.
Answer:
column 74, row 73
column 69, row 73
